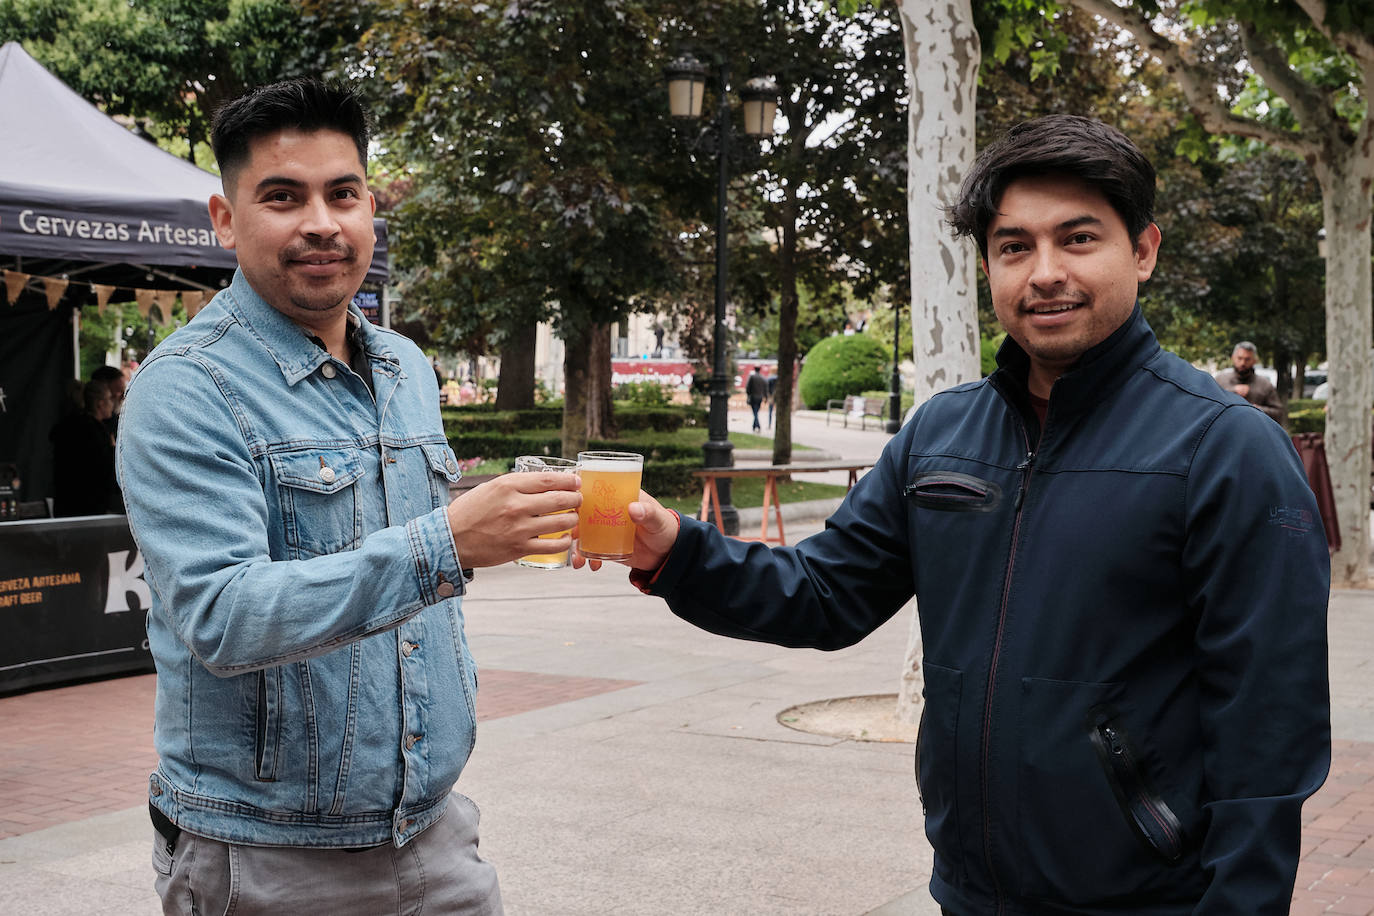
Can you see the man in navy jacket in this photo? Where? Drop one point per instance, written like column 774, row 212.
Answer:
column 1120, row 571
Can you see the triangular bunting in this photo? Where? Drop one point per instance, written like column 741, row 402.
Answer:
column 193, row 300
column 165, row 299
column 144, row 298
column 102, row 295
column 14, row 284
column 54, row 287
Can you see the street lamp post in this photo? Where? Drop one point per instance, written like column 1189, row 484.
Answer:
column 686, row 77
column 894, row 397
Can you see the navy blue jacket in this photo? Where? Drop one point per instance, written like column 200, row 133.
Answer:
column 1124, row 629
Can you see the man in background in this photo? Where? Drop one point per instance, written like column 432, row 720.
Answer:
column 1242, row 379
column 755, row 391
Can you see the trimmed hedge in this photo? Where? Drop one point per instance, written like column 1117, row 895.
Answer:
column 1306, row 415
column 474, row 432
column 840, row 366
column 628, row 418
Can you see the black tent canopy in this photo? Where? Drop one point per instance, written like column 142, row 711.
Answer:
column 83, row 197
column 84, row 200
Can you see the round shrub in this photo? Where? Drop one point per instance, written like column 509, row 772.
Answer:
column 840, row 366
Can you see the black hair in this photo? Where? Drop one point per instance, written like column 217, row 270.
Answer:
column 298, row 104
column 106, row 374
column 1089, row 150
column 93, row 392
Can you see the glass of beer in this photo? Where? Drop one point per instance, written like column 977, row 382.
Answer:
column 535, row 463
column 610, row 482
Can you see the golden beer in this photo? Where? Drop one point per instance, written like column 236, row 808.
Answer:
column 610, row 482
column 535, row 463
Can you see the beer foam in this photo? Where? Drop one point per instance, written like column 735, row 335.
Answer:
column 610, row 465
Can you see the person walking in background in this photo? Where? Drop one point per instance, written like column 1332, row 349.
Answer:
column 771, row 395
column 83, row 466
column 1125, row 708
column 1242, row 379
column 755, row 390
column 287, row 480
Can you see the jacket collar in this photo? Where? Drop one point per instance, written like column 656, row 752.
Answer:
column 1099, row 372
column 288, row 343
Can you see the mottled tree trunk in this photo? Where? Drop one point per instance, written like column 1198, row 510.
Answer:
column 600, row 419
column 942, row 57
column 515, row 385
column 1347, row 201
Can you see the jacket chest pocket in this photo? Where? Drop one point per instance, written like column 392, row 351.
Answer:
column 440, row 470
column 319, row 501
column 950, row 491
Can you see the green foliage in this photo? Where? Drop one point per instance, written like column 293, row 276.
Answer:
column 643, row 394
column 167, row 64
column 482, row 419
column 98, row 333
column 537, row 164
column 987, row 352
column 1306, row 416
column 841, row 366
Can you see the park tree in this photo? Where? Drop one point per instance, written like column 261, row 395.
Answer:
column 534, row 138
column 830, row 187
column 166, row 65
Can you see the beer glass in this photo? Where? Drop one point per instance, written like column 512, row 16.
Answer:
column 536, row 463
column 610, row 482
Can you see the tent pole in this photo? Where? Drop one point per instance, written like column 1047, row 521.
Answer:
column 76, row 344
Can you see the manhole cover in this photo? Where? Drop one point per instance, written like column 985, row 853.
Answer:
column 869, row 718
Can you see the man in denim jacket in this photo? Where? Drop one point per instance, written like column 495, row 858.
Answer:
column 287, row 480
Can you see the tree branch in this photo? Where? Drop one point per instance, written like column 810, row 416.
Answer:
column 1360, row 47
column 1310, row 106
column 1195, row 81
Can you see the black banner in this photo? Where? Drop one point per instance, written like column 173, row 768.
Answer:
column 35, row 364
column 73, row 601
column 136, row 230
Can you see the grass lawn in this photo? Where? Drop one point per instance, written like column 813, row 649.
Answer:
column 747, row 492
column 696, row 435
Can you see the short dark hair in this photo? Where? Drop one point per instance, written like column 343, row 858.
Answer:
column 1083, row 148
column 106, row 374
column 298, row 104
column 93, row 393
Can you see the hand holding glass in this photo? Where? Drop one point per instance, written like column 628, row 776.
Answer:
column 536, row 463
column 610, row 482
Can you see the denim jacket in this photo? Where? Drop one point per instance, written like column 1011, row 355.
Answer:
column 314, row 683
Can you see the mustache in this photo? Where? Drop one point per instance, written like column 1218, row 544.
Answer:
column 305, row 250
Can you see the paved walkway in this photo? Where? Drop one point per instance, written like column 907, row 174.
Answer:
column 627, row 763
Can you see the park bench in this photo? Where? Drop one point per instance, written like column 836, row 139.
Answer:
column 855, row 408
column 710, row 499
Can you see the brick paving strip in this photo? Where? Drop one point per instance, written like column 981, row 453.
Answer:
column 69, row 753
column 1336, row 872
column 73, row 752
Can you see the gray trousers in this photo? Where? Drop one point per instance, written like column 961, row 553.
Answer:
column 438, row 872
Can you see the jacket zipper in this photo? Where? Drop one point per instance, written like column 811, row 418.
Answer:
column 1025, row 468
column 1150, row 815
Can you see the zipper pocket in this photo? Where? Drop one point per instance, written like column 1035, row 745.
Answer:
column 1150, row 817
column 950, row 491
